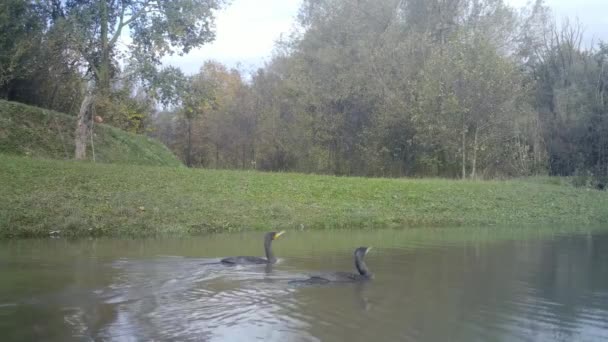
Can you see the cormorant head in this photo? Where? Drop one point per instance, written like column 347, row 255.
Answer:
column 361, row 252
column 274, row 235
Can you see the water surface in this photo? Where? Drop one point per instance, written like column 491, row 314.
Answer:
column 430, row 285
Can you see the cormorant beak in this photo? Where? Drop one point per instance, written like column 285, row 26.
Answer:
column 276, row 236
column 367, row 250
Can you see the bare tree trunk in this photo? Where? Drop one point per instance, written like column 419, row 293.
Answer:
column 8, row 95
column 243, row 156
column 4, row 90
column 217, row 156
column 464, row 150
column 83, row 127
column 189, row 144
column 51, row 102
column 474, row 167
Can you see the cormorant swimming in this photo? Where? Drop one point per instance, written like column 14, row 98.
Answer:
column 342, row 277
column 251, row 260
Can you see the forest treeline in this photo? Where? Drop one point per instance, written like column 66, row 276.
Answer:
column 448, row 88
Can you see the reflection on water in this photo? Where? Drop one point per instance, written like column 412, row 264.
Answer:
column 429, row 286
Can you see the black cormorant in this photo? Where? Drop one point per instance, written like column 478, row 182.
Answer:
column 251, row 260
column 342, row 277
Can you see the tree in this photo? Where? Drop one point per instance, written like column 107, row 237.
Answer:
column 156, row 28
column 453, row 88
column 21, row 32
column 216, row 119
column 570, row 97
column 37, row 66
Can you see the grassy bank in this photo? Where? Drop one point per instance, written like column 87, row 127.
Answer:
column 32, row 131
column 80, row 198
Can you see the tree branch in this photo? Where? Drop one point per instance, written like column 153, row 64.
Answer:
column 87, row 59
column 139, row 13
column 122, row 23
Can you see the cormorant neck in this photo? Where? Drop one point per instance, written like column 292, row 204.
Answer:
column 268, row 249
column 361, row 266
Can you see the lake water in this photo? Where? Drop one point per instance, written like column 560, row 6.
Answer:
column 430, row 285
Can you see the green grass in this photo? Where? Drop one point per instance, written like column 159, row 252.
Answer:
column 82, row 198
column 32, row 131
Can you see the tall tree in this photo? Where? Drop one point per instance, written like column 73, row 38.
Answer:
column 155, row 27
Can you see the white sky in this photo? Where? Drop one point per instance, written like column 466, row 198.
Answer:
column 247, row 29
column 245, row 33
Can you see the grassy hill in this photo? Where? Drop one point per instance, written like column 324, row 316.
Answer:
column 38, row 196
column 32, row 131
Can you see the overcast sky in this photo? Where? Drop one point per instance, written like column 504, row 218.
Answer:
column 247, row 29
